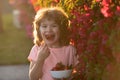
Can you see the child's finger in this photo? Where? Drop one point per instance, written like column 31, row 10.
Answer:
column 42, row 46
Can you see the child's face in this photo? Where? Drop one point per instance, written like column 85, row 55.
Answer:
column 50, row 33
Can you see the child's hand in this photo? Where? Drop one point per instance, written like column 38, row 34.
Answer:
column 43, row 52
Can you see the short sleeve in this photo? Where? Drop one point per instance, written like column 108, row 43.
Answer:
column 73, row 56
column 33, row 53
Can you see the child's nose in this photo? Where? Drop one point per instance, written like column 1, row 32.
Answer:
column 49, row 28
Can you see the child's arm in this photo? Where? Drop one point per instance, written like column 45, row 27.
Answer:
column 35, row 70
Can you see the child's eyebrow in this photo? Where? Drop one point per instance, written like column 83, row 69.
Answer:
column 54, row 24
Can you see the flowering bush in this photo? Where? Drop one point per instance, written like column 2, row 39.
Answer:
column 26, row 14
column 92, row 23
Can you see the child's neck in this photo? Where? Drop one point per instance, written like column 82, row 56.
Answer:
column 55, row 46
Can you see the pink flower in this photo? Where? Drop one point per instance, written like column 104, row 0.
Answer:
column 117, row 12
column 106, row 11
column 106, row 2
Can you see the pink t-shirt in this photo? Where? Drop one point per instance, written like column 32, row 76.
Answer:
column 65, row 54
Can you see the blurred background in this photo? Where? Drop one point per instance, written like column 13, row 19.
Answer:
column 16, row 41
column 16, row 18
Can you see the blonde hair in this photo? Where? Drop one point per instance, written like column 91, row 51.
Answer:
column 56, row 14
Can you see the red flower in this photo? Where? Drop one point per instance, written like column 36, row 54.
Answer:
column 98, row 0
column 86, row 7
column 57, row 1
column 106, row 11
column 37, row 8
column 106, row 2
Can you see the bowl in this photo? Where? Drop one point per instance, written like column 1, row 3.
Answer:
column 61, row 74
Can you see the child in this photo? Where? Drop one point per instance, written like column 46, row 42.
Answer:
column 51, row 43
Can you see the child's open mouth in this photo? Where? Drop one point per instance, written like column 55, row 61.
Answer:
column 50, row 37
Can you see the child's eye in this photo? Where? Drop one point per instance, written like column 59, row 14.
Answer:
column 44, row 26
column 54, row 26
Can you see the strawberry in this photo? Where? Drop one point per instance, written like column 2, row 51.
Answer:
column 60, row 66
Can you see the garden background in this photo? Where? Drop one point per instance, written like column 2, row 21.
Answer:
column 95, row 28
column 15, row 44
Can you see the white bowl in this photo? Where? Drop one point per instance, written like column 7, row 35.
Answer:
column 61, row 74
